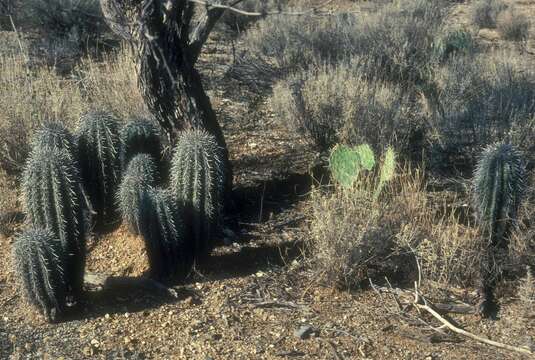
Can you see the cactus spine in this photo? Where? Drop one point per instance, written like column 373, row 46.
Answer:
column 164, row 235
column 498, row 189
column 139, row 176
column 51, row 199
column 197, row 179
column 139, row 136
column 54, row 135
column 38, row 258
column 98, row 146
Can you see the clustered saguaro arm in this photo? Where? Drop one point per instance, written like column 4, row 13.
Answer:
column 167, row 38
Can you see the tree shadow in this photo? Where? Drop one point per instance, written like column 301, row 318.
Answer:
column 248, row 260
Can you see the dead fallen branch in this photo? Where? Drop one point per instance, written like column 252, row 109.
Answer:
column 420, row 302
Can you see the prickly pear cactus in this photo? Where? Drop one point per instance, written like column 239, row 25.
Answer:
column 52, row 200
column 98, row 150
column 39, row 260
column 197, row 178
column 140, row 175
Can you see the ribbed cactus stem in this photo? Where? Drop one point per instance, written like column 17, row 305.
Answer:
column 139, row 136
column 498, row 189
column 140, row 175
column 164, row 235
column 51, row 199
column 98, row 150
column 39, row 262
column 54, row 135
column 197, row 178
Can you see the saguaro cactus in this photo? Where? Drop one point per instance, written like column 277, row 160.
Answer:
column 51, row 199
column 197, row 179
column 498, row 189
column 164, row 234
column 139, row 176
column 39, row 261
column 98, row 148
column 139, row 136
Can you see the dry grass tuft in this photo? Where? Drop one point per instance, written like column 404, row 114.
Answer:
column 33, row 95
column 112, row 84
column 513, row 25
column 30, row 97
column 354, row 238
column 485, row 12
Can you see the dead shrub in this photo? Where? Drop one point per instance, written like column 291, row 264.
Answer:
column 513, row 25
column 338, row 104
column 485, row 12
column 397, row 42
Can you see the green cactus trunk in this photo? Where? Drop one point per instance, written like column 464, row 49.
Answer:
column 51, row 199
column 39, row 261
column 140, row 136
column 98, row 147
column 140, row 175
column 165, row 235
column 54, row 135
column 197, row 181
column 498, row 190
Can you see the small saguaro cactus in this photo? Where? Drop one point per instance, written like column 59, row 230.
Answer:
column 51, row 199
column 139, row 136
column 54, row 134
column 98, row 147
column 498, row 189
column 140, row 174
column 197, row 180
column 165, row 235
column 39, row 261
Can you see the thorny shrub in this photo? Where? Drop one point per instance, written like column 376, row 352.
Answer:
column 485, row 12
column 513, row 25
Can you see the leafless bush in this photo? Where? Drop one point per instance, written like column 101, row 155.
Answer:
column 485, row 12
column 334, row 104
column 484, row 99
column 397, row 42
column 513, row 25
column 239, row 23
column 280, row 45
column 77, row 20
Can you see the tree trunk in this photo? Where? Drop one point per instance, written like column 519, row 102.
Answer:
column 171, row 87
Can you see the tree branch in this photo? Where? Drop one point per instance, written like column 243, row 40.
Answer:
column 199, row 34
column 422, row 303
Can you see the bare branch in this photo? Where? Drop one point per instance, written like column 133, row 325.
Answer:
column 231, row 7
column 199, row 34
column 204, row 27
column 422, row 303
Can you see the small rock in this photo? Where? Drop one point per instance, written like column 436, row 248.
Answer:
column 95, row 343
column 304, row 332
column 107, row 316
column 87, row 351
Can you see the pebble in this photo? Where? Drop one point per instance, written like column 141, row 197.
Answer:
column 303, row 332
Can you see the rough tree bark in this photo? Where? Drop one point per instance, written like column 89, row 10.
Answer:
column 167, row 42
